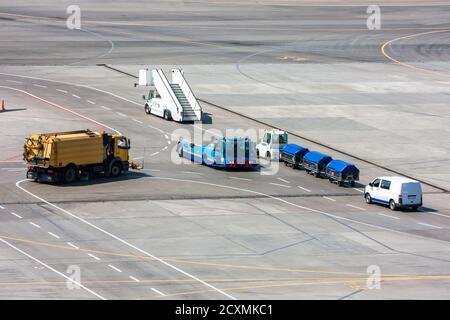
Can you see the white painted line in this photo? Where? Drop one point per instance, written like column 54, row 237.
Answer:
column 114, row 268
column 133, row 278
column 53, row 235
column 279, row 185
column 165, row 148
column 307, row 190
column 136, row 120
column 106, row 108
column 73, row 246
column 281, row 179
column 137, row 158
column 155, row 170
column 121, row 114
column 89, row 101
column 362, row 191
column 389, row 216
column 94, row 257
column 60, row 90
column 35, row 225
column 239, row 178
column 75, row 96
column 38, row 85
column 14, row 81
column 16, row 215
column 328, row 198
column 355, row 207
column 166, row 136
column 429, row 225
column 437, row 214
column 192, row 172
column 126, row 243
column 1, row 207
column 154, row 153
column 158, row 292
column 70, row 280
column 169, row 142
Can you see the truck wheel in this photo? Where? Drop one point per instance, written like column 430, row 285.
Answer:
column 70, row 175
column 116, row 170
column 257, row 154
column 392, row 205
column 147, row 109
column 368, row 198
column 268, row 157
column 180, row 152
column 167, row 115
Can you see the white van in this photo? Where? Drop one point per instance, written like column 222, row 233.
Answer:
column 396, row 192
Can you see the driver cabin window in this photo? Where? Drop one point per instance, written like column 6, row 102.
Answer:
column 267, row 137
column 376, row 183
column 122, row 143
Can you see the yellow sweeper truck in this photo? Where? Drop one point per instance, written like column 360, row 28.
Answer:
column 66, row 156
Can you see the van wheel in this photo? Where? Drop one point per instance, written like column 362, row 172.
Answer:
column 70, row 175
column 392, row 205
column 147, row 109
column 268, row 156
column 116, row 170
column 368, row 198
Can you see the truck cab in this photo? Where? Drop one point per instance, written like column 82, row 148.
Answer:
column 271, row 144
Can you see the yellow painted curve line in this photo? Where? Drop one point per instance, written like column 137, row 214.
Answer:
column 386, row 44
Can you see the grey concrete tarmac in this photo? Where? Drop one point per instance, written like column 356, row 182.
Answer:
column 178, row 230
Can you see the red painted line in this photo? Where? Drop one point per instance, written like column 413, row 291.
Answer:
column 60, row 107
column 13, row 157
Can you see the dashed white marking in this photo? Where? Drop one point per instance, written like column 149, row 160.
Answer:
column 14, row 81
column 75, row 96
column 435, row 213
column 39, row 85
column 114, row 268
column 106, row 108
column 137, row 158
column 73, row 246
column 169, row 142
column 355, row 207
column 162, row 261
column 307, row 190
column 133, row 278
column 121, row 114
column 283, row 180
column 53, row 235
column 192, row 172
column 16, row 215
column 429, row 225
column 89, row 101
column 136, row 120
column 35, row 225
column 155, row 170
column 1, row 207
column 166, row 136
column 61, row 90
column 362, row 191
column 239, row 178
column 154, row 153
column 158, row 292
column 165, row 148
column 389, row 216
column 52, row 269
column 92, row 256
column 279, row 185
column 328, row 198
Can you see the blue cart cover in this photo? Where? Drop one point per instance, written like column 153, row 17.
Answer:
column 294, row 149
column 317, row 157
column 340, row 166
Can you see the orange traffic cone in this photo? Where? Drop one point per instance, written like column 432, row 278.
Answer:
column 3, row 105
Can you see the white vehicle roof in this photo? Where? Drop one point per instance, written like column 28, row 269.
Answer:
column 397, row 179
column 275, row 131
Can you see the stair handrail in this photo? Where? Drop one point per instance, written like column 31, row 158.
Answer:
column 195, row 105
column 169, row 89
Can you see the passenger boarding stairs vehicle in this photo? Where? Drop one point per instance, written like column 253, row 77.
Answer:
column 171, row 100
